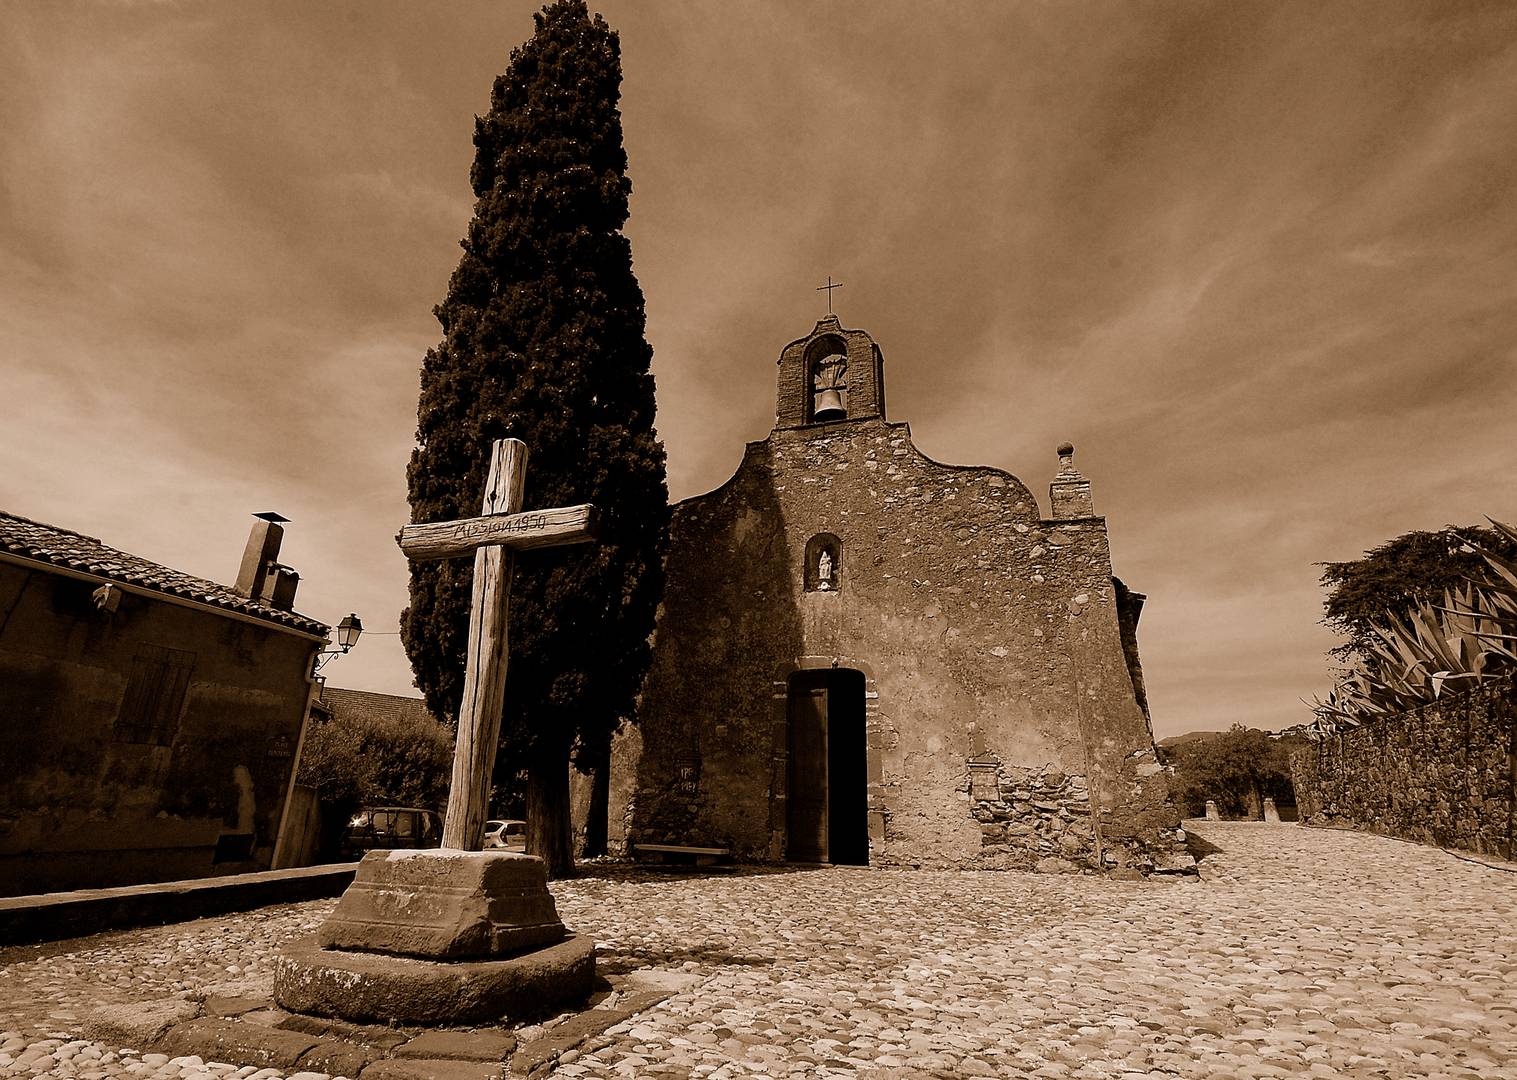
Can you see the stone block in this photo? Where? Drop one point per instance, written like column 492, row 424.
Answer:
column 137, row 1025
column 364, row 986
column 232, row 1006
column 376, row 1035
column 433, row 1069
column 445, row 905
column 1054, row 865
column 338, row 1057
column 460, row 1045
column 239, row 1043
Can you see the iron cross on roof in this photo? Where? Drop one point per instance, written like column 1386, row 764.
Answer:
column 828, row 289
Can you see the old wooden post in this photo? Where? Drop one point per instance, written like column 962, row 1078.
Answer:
column 492, row 539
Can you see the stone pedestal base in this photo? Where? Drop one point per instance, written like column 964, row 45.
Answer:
column 445, row 905
column 373, row 988
column 438, row 937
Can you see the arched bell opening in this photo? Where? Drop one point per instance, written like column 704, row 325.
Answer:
column 827, row 370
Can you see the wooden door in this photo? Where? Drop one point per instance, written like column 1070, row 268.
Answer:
column 807, row 802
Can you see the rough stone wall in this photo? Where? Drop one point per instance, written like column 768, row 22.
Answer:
column 79, row 807
column 1443, row 774
column 999, row 703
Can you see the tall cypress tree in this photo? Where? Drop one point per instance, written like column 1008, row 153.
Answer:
column 543, row 340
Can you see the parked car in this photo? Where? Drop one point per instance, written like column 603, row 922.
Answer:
column 510, row 835
column 379, row 827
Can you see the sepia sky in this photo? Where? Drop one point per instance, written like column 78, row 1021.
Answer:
column 1258, row 262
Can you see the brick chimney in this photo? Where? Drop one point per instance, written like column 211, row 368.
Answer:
column 262, row 576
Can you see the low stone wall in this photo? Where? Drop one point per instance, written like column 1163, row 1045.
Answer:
column 54, row 916
column 1444, row 774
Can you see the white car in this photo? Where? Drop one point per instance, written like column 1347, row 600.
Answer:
column 511, row 835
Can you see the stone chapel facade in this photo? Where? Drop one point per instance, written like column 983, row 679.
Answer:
column 865, row 656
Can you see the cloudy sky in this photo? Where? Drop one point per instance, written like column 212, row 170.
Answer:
column 1257, row 261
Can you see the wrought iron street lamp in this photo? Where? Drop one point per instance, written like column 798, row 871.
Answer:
column 348, row 632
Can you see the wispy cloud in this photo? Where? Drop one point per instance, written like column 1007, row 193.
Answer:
column 1256, row 261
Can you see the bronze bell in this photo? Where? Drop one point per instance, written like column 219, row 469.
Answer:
column 829, row 406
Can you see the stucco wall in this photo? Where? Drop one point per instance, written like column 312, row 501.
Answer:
column 1443, row 774
column 79, row 807
column 986, row 634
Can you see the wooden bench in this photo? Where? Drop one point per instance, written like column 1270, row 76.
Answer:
column 683, row 853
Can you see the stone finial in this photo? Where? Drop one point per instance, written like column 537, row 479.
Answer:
column 1069, row 493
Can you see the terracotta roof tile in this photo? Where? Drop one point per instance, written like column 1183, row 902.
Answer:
column 340, row 702
column 65, row 548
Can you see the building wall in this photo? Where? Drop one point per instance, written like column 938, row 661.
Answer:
column 86, row 801
column 1443, row 774
column 1000, row 704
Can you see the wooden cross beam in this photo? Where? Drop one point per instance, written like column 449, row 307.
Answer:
column 492, row 539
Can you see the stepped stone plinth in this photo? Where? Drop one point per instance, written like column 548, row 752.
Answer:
column 438, row 937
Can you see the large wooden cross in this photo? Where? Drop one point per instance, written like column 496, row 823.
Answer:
column 492, row 539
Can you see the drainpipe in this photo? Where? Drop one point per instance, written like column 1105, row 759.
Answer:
column 313, row 691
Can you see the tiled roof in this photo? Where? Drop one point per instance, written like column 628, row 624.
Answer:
column 65, row 548
column 340, row 702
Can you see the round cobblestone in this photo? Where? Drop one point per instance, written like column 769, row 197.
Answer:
column 1299, row 953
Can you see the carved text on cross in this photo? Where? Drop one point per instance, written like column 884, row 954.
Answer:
column 828, row 288
column 491, row 539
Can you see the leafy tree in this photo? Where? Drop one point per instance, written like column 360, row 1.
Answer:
column 354, row 758
column 1408, row 659
column 1238, row 768
column 543, row 340
column 1394, row 578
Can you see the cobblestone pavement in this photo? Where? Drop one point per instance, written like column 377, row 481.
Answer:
column 1300, row 953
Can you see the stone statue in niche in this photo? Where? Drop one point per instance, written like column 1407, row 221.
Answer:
column 830, row 401
column 821, row 563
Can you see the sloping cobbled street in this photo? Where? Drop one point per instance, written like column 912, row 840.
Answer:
column 1299, row 953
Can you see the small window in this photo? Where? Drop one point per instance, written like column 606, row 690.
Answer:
column 154, row 696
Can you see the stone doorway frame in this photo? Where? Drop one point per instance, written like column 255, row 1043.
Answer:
column 878, row 812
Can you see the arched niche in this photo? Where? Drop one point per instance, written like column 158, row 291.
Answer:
column 827, row 378
column 824, row 563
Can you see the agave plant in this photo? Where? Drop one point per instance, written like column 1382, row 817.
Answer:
column 1469, row 638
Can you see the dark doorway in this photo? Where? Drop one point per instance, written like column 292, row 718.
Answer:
column 828, row 797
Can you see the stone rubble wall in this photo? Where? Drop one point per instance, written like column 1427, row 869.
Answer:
column 1443, row 774
column 1039, row 814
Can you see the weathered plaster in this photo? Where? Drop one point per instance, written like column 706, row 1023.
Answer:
column 81, row 807
column 985, row 632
